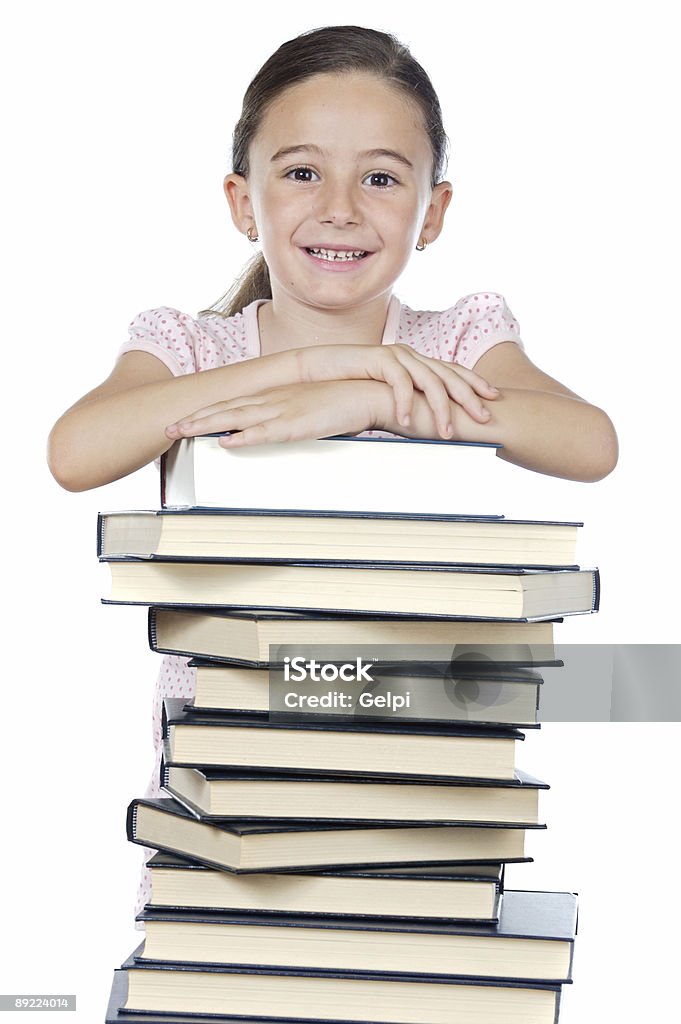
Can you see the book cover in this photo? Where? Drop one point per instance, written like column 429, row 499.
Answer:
column 532, row 940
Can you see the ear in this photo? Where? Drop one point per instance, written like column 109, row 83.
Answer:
column 435, row 215
column 238, row 196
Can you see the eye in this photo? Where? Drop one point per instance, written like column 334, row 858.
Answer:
column 380, row 179
column 303, row 174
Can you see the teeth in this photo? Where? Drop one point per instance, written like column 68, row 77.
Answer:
column 335, row 254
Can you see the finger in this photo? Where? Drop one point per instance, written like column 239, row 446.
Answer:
column 190, row 426
column 458, row 383
column 463, row 394
column 400, row 380
column 473, row 379
column 431, row 379
column 259, row 433
column 237, row 418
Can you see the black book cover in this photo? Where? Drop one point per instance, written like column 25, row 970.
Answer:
column 527, row 916
column 243, row 829
column 257, row 615
column 117, row 1015
column 521, row 781
column 311, row 514
column 176, row 711
column 368, row 566
column 445, row 873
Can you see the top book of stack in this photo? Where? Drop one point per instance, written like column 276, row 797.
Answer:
column 351, row 474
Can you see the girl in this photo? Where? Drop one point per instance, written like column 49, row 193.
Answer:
column 338, row 163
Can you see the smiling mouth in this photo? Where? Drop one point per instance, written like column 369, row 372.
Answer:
column 338, row 255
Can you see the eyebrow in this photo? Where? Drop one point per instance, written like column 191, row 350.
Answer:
column 372, row 154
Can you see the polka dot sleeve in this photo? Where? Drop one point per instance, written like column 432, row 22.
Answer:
column 167, row 334
column 481, row 322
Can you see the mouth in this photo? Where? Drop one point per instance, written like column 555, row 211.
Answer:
column 337, row 255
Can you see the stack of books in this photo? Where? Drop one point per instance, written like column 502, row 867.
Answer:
column 343, row 860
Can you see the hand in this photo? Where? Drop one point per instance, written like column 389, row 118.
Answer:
column 404, row 370
column 293, row 412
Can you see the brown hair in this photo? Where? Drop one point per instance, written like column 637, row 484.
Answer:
column 335, row 49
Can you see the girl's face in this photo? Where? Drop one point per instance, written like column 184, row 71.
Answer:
column 339, row 190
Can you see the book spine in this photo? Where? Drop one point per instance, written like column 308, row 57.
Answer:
column 163, row 479
column 558, row 995
column 164, row 773
column 100, row 534
column 131, row 823
column 597, row 590
column 152, row 634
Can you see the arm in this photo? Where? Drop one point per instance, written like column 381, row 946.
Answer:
column 132, row 417
column 542, row 424
column 120, row 425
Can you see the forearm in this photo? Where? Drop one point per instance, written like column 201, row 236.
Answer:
column 539, row 430
column 107, row 435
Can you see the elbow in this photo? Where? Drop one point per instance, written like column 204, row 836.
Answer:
column 63, row 462
column 603, row 449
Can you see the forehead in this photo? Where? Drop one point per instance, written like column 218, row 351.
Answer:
column 349, row 111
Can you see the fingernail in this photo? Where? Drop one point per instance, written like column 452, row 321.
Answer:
column 485, row 414
column 492, row 388
column 406, row 420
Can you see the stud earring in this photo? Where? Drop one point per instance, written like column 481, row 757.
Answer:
column 422, row 243
column 252, row 234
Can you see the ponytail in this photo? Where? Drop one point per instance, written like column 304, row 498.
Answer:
column 252, row 283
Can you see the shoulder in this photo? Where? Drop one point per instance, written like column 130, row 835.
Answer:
column 187, row 344
column 462, row 332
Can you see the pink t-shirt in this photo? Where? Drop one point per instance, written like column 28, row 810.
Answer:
column 460, row 334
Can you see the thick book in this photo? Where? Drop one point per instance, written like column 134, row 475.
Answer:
column 173, row 993
column 246, row 638
column 452, row 892
column 513, row 594
column 352, row 474
column 273, row 536
column 532, row 941
column 218, row 795
column 166, row 825
column 489, row 695
column 377, row 748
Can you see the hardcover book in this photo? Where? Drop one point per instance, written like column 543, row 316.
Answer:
column 273, row 536
column 166, row 825
column 513, row 594
column 246, row 637
column 405, row 749
column 150, row 992
column 532, row 941
column 489, row 695
column 221, row 795
column 450, row 892
column 358, row 474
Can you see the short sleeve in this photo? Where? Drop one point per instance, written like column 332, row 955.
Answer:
column 481, row 321
column 167, row 334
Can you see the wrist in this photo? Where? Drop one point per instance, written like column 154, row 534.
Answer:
column 381, row 406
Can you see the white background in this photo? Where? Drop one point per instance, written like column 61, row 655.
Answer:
column 117, row 129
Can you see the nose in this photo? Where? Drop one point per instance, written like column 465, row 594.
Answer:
column 338, row 204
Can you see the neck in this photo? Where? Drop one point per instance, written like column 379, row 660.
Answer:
column 284, row 325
